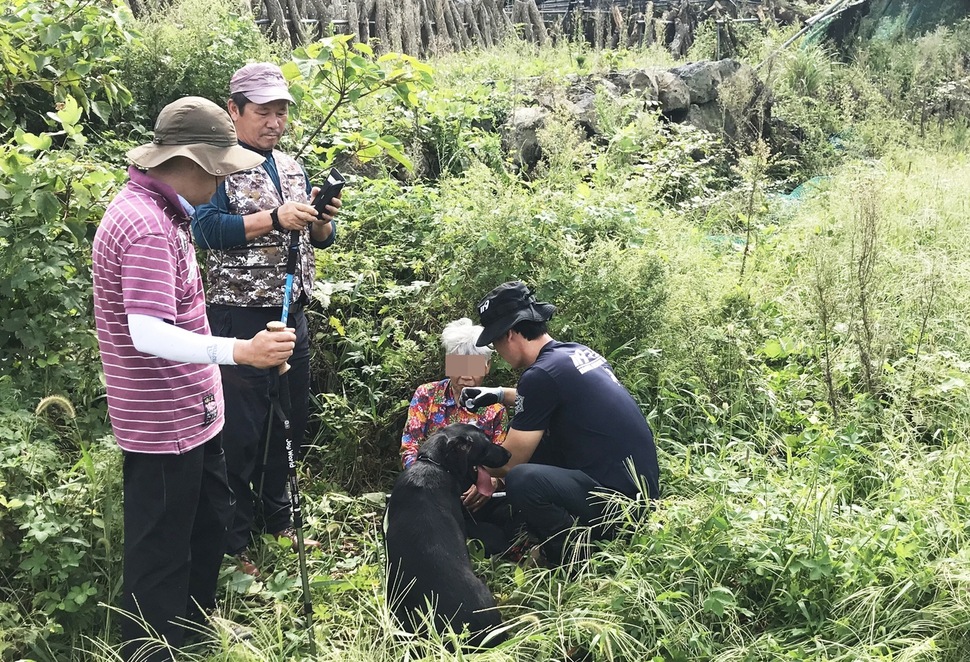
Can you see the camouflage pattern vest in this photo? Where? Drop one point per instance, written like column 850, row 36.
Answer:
column 254, row 275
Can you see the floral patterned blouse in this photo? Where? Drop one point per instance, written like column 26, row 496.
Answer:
column 433, row 407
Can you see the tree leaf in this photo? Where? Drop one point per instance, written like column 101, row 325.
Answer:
column 31, row 141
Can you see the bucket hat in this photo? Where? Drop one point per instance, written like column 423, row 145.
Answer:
column 507, row 305
column 197, row 129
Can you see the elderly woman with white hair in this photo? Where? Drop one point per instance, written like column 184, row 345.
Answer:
column 435, row 405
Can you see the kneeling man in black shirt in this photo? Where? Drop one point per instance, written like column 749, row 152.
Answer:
column 573, row 427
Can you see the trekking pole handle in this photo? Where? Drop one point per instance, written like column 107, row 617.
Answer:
column 278, row 326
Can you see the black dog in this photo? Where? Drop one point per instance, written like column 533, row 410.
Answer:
column 428, row 562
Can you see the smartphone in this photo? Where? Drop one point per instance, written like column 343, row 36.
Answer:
column 329, row 191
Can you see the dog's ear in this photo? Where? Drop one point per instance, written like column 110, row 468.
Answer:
column 497, row 456
column 476, row 449
column 458, row 448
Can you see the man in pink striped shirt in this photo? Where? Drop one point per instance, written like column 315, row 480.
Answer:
column 161, row 370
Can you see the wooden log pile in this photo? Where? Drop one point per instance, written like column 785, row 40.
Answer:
column 525, row 13
column 415, row 27
column 429, row 27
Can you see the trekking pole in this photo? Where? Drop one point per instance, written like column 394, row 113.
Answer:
column 296, row 508
column 296, row 511
column 291, row 256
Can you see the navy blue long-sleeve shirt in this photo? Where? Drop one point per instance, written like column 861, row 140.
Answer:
column 213, row 226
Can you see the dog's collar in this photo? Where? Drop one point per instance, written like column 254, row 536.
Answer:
column 425, row 458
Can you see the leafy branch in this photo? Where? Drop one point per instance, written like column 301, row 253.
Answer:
column 333, row 73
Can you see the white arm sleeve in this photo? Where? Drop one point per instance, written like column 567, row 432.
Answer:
column 152, row 335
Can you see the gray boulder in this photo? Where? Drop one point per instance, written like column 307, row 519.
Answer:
column 703, row 78
column 723, row 97
column 520, row 135
column 673, row 95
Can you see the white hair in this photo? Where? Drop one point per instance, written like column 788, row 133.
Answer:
column 460, row 336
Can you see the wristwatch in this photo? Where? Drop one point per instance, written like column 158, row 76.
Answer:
column 275, row 215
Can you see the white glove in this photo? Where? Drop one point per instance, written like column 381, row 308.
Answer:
column 474, row 398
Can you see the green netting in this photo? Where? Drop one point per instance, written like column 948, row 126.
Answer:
column 922, row 15
column 807, row 188
column 918, row 16
column 886, row 19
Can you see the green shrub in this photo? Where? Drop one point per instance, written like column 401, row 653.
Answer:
column 53, row 50
column 373, row 337
column 59, row 58
column 50, row 204
column 60, row 533
column 347, row 99
column 455, row 129
column 190, row 47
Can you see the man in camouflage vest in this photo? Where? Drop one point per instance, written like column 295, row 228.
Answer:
column 245, row 232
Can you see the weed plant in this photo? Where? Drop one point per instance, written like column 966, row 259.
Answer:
column 191, row 48
column 519, row 61
column 60, row 529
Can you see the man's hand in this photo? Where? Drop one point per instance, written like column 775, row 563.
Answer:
column 473, row 499
column 296, row 215
column 473, row 399
column 266, row 349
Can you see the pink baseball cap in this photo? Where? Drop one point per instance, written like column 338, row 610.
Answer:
column 260, row 82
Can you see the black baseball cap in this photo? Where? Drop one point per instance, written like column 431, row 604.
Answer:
column 507, row 305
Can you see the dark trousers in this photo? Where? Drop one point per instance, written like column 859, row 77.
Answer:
column 176, row 511
column 492, row 524
column 250, row 417
column 550, row 500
